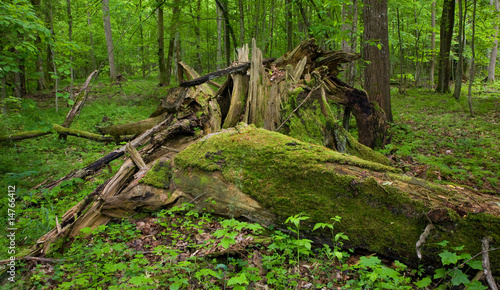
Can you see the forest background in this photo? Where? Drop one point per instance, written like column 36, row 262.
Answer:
column 50, row 47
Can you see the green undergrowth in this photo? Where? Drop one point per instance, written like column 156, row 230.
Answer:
column 181, row 248
column 434, row 137
column 28, row 163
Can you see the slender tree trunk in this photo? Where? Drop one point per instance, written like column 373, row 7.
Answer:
column 303, row 12
column 219, row 38
column 49, row 57
column 109, row 39
column 271, row 27
column 494, row 50
column 433, row 44
column 473, row 65
column 70, row 37
column 38, row 44
column 141, row 35
column 446, row 35
column 92, row 50
column 377, row 71
column 401, row 55
column 461, row 38
column 197, row 33
column 288, row 22
column 163, row 77
column 242, row 22
column 173, row 32
column 227, row 42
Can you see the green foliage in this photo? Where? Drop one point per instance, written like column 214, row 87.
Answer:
column 435, row 139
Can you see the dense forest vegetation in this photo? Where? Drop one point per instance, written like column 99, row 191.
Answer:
column 430, row 65
column 48, row 40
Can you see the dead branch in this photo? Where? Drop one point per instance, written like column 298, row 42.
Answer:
column 235, row 69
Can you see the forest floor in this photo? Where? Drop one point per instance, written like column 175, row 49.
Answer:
column 434, row 137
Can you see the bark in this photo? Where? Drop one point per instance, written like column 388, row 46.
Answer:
column 79, row 101
column 239, row 93
column 164, row 76
column 70, row 37
column 176, row 9
column 92, row 51
column 377, row 71
column 472, row 61
column 41, row 85
column 242, row 21
column 288, row 23
column 494, row 49
column 433, row 44
column 141, row 36
column 61, row 131
column 461, row 40
column 401, row 56
column 109, row 40
column 446, row 35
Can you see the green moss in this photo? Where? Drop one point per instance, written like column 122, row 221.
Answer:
column 159, row 175
column 289, row 176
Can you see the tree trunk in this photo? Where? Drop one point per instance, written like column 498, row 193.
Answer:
column 164, row 76
column 473, row 65
column 288, row 23
column 446, row 35
column 494, row 49
column 70, row 37
column 461, row 39
column 242, row 22
column 109, row 40
column 197, row 33
column 41, row 85
column 433, row 44
column 401, row 56
column 92, row 50
column 377, row 72
column 49, row 58
column 176, row 9
column 219, row 38
column 141, row 35
column 377, row 203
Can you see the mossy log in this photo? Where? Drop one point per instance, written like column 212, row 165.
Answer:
column 62, row 131
column 266, row 176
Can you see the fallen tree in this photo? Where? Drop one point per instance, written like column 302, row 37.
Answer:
column 265, row 176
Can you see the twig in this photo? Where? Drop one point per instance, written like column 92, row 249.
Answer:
column 472, row 258
column 197, row 197
column 422, row 238
column 486, row 264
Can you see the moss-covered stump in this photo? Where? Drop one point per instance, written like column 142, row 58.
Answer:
column 381, row 209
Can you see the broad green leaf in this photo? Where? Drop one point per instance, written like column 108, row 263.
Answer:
column 475, row 285
column 448, row 258
column 369, row 261
column 459, row 277
column 424, row 282
column 475, row 264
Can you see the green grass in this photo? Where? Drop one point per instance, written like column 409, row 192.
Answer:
column 31, row 162
column 435, row 137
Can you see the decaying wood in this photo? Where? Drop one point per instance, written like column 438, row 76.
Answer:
column 97, row 165
column 239, row 92
column 79, row 101
column 236, row 69
column 63, row 131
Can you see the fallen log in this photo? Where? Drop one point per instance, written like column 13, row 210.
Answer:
column 66, row 132
column 265, row 177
